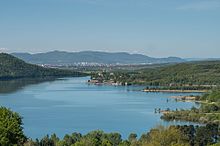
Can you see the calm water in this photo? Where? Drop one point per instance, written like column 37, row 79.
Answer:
column 71, row 105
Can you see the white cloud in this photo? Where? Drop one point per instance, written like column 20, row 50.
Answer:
column 201, row 5
column 4, row 50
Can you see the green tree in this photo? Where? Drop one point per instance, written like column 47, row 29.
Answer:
column 54, row 138
column 115, row 138
column 162, row 136
column 11, row 130
column 132, row 137
column 105, row 142
column 206, row 135
column 46, row 141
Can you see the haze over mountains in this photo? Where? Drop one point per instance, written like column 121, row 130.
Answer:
column 70, row 58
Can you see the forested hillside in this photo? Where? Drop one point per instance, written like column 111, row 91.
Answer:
column 194, row 73
column 200, row 73
column 12, row 67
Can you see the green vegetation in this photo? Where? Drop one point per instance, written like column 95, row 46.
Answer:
column 160, row 136
column 11, row 130
column 208, row 112
column 192, row 73
column 213, row 96
column 12, row 67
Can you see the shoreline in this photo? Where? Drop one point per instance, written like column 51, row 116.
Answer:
column 95, row 82
column 175, row 91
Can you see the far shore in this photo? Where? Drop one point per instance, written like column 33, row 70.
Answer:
column 175, row 91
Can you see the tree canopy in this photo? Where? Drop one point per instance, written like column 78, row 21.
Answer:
column 11, row 130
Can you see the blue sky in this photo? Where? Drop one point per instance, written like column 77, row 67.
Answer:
column 158, row 28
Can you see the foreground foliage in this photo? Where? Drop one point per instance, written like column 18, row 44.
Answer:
column 160, row 136
column 11, row 130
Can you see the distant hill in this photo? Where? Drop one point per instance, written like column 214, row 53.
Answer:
column 12, row 67
column 63, row 58
column 202, row 59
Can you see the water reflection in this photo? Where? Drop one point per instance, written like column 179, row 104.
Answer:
column 10, row 86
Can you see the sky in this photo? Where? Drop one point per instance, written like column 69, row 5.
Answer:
column 157, row 28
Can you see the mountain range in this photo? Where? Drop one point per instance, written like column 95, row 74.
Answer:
column 70, row 58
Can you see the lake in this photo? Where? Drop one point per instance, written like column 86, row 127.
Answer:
column 70, row 105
